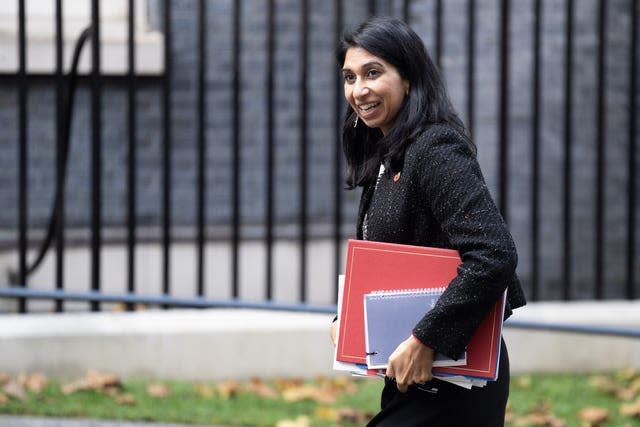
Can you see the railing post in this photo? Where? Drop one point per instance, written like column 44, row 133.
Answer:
column 269, row 161
column 201, row 109
column 59, row 208
column 471, row 64
column 601, row 141
column 236, row 171
column 567, row 153
column 304, row 169
column 631, row 291
column 503, row 111
column 338, row 182
column 535, row 150
column 23, row 187
column 166, row 153
column 132, row 160
column 96, row 152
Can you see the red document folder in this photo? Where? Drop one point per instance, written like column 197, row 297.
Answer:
column 376, row 266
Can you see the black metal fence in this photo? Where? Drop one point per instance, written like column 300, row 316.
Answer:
column 65, row 84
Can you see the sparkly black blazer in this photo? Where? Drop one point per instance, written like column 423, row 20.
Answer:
column 440, row 199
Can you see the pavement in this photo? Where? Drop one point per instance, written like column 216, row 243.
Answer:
column 23, row 421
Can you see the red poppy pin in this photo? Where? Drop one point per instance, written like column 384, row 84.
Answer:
column 396, row 177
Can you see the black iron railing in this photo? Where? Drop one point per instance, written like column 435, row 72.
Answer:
column 97, row 83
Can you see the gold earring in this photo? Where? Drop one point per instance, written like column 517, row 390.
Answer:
column 355, row 122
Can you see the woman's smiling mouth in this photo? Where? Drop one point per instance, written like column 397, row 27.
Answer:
column 367, row 109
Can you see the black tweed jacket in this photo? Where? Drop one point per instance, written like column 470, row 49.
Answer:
column 440, row 199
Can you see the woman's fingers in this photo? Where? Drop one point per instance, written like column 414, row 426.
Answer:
column 402, row 387
column 410, row 364
column 333, row 332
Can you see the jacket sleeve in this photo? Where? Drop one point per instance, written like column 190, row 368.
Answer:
column 459, row 200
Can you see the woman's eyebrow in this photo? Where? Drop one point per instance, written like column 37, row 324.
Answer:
column 373, row 63
column 366, row 65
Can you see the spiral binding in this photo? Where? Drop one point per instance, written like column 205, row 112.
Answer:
column 391, row 292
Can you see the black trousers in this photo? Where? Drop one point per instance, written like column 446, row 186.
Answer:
column 450, row 406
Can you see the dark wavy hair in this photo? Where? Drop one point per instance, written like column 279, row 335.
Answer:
column 426, row 104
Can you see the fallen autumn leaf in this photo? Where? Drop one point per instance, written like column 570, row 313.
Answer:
column 594, row 416
column 229, row 389
column 4, row 378
column 34, row 382
column 310, row 392
column 261, row 389
column 93, row 381
column 15, row 390
column 301, row 421
column 158, row 390
column 631, row 410
column 204, row 390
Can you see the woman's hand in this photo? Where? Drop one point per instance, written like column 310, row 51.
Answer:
column 410, row 363
column 333, row 332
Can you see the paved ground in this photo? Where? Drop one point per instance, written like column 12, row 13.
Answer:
column 11, row 421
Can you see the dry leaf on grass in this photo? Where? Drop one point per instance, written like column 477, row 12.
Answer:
column 258, row 387
column 523, row 382
column 310, row 392
column 537, row 419
column 95, row 381
column 540, row 415
column 353, row 415
column 594, row 417
column 338, row 385
column 631, row 410
column 204, row 390
column 3, row 399
column 625, row 393
column 632, row 390
column 15, row 390
column 326, row 413
column 624, row 385
column 301, row 421
column 35, row 382
column 287, row 383
column 229, row 389
column 125, row 399
column 158, row 390
column 628, row 374
column 604, row 384
column 4, row 378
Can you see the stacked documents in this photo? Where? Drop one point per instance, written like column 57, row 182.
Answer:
column 386, row 290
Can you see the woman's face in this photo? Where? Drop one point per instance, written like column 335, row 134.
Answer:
column 373, row 88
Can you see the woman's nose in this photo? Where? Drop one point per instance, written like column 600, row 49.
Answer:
column 360, row 88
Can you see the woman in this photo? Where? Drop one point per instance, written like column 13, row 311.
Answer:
column 405, row 145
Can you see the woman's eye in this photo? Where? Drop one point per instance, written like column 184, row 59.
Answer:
column 373, row 73
column 349, row 78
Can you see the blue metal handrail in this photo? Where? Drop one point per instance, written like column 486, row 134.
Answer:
column 203, row 302
column 161, row 300
column 575, row 328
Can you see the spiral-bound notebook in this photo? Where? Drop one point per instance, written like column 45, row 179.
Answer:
column 389, row 318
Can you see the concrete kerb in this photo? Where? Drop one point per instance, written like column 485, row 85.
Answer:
column 219, row 344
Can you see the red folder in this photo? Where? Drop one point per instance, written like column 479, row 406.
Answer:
column 377, row 266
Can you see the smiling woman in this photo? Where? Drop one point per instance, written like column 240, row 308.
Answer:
column 422, row 185
column 373, row 88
